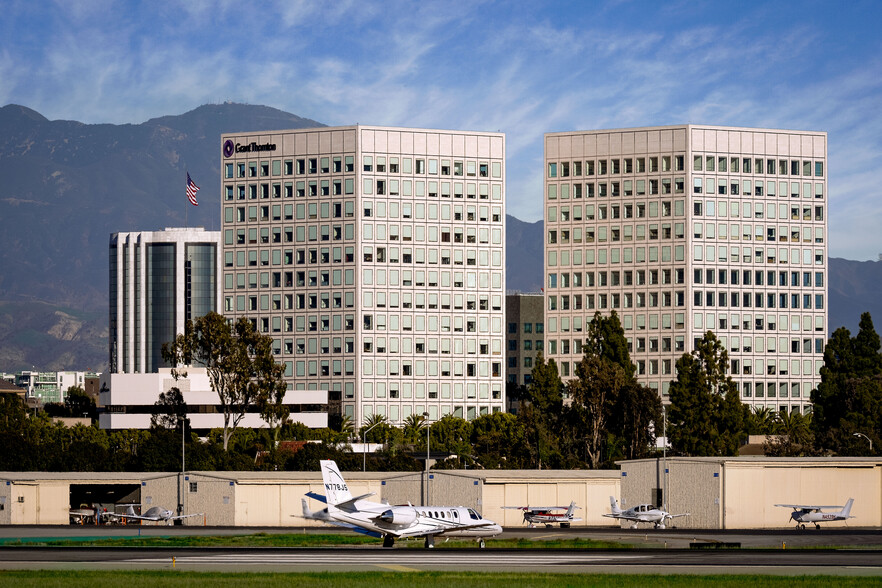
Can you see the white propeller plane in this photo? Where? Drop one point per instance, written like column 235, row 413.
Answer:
column 545, row 516
column 155, row 513
column 803, row 513
column 394, row 522
column 642, row 513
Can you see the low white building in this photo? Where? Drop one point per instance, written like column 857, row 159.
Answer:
column 128, row 401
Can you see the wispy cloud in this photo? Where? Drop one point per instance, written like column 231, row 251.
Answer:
column 524, row 68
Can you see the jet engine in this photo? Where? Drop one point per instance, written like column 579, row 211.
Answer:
column 399, row 516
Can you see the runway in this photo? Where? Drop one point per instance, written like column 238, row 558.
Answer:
column 854, row 552
column 778, row 562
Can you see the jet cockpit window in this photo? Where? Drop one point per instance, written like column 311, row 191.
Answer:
column 474, row 515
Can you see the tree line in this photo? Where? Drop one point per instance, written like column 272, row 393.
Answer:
column 593, row 420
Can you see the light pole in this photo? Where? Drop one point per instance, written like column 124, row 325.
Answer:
column 364, row 446
column 665, row 459
column 867, row 438
column 428, row 441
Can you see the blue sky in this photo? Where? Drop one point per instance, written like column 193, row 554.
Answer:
column 524, row 68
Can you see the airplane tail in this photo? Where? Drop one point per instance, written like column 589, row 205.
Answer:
column 307, row 514
column 571, row 509
column 614, row 505
column 336, row 489
column 130, row 510
column 846, row 510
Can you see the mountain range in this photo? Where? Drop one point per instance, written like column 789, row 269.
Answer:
column 68, row 185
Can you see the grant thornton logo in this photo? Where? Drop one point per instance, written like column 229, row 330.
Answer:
column 228, row 148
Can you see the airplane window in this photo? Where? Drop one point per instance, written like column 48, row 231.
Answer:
column 455, row 515
column 474, row 515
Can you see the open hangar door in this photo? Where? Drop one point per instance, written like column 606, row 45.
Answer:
column 103, row 496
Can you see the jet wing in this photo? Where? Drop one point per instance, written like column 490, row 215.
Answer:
column 436, row 530
column 351, row 502
column 535, row 508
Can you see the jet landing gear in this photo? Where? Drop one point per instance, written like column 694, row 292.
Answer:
column 388, row 541
column 430, row 542
column 481, row 543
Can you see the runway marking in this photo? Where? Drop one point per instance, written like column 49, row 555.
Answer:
column 397, row 568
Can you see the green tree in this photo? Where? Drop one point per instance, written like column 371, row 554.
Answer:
column 707, row 417
column 849, row 398
column 595, row 391
column 499, row 441
column 792, row 435
column 170, row 411
column 451, row 434
column 79, row 404
column 636, row 418
column 414, row 429
column 237, row 358
column 540, row 413
column 611, row 415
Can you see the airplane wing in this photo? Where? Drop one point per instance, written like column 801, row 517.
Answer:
column 197, row 514
column 122, row 515
column 536, row 508
column 674, row 516
column 809, row 506
column 436, row 530
column 319, row 497
column 351, row 502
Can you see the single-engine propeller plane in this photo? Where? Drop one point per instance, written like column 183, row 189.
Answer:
column 544, row 514
column 803, row 513
column 155, row 513
column 642, row 513
column 394, row 522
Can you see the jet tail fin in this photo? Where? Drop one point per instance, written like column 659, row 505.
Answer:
column 336, row 490
column 846, row 510
column 614, row 505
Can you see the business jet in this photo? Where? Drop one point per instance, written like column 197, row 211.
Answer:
column 389, row 522
column 155, row 513
column 544, row 514
column 642, row 513
column 803, row 514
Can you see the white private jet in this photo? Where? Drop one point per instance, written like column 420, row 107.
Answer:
column 803, row 513
column 642, row 513
column 155, row 513
column 545, row 516
column 394, row 522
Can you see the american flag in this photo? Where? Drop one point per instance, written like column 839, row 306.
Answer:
column 192, row 188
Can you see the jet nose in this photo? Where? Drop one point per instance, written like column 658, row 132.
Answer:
column 496, row 529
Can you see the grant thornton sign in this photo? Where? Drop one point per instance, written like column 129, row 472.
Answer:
column 230, row 148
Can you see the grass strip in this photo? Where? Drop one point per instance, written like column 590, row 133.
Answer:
column 154, row 579
column 301, row 540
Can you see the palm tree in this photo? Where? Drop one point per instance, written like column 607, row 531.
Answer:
column 414, row 427
column 378, row 427
column 761, row 421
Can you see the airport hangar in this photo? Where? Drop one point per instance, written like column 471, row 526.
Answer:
column 719, row 493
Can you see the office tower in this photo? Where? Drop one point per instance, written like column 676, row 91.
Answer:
column 374, row 257
column 158, row 281
column 685, row 229
column 525, row 319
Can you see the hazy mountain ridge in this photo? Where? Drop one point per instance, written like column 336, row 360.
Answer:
column 68, row 185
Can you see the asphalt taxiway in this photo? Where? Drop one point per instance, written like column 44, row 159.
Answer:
column 838, row 551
